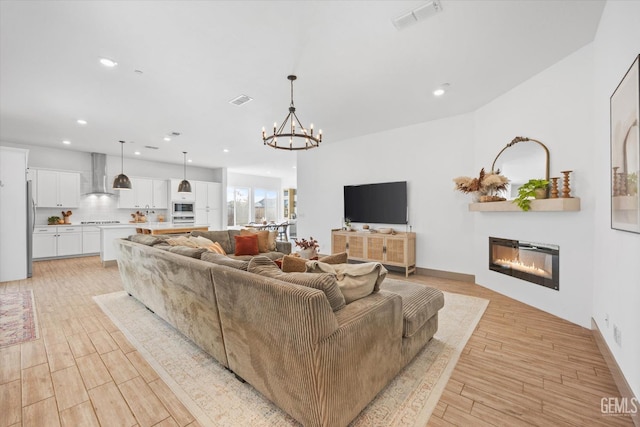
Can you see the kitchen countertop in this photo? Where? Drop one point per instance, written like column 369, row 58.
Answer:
column 168, row 227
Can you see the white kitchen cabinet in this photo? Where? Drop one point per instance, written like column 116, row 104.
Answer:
column 208, row 203
column 177, row 197
column 57, row 241
column 145, row 193
column 57, row 189
column 90, row 240
column 160, row 194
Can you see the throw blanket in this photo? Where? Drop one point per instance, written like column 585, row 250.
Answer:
column 355, row 280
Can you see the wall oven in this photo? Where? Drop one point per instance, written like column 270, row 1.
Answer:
column 182, row 213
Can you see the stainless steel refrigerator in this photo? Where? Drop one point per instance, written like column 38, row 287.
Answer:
column 31, row 223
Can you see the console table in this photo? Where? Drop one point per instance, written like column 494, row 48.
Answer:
column 397, row 249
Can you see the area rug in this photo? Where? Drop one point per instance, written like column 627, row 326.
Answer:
column 216, row 398
column 18, row 321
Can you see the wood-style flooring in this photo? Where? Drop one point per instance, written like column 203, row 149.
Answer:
column 522, row 366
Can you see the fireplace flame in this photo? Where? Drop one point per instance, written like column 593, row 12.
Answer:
column 520, row 266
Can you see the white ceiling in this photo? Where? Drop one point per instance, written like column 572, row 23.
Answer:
column 357, row 74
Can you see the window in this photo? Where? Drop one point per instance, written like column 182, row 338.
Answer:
column 237, row 206
column 265, row 205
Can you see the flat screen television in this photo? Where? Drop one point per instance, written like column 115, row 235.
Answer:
column 384, row 203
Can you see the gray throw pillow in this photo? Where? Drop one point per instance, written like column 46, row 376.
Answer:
column 221, row 237
column 327, row 283
column 145, row 239
column 186, row 251
column 224, row 260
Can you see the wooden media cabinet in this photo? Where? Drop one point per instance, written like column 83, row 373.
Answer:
column 398, row 250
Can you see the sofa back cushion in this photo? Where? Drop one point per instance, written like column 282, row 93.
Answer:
column 221, row 237
column 327, row 283
column 225, row 260
column 186, row 251
column 247, row 245
column 145, row 239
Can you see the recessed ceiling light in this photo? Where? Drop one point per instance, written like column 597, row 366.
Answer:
column 81, row 122
column 440, row 90
column 166, row 138
column 137, row 153
column 66, row 142
column 226, row 150
column 108, row 62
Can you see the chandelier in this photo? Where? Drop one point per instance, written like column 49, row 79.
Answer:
column 291, row 135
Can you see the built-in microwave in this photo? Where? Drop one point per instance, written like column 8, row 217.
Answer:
column 182, row 207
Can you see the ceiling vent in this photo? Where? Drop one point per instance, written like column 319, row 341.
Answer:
column 420, row 13
column 239, row 100
column 151, row 147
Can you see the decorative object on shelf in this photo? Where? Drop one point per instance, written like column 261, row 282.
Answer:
column 625, row 151
column 308, row 248
column 184, row 186
column 531, row 190
column 554, row 187
column 54, row 220
column 365, row 227
column 527, row 152
column 122, row 181
column 66, row 217
column 487, row 184
column 385, row 230
column 347, row 224
column 303, row 139
column 566, row 189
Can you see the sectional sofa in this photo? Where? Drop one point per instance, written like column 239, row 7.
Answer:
column 289, row 335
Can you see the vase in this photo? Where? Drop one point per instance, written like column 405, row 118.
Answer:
column 309, row 253
column 540, row 193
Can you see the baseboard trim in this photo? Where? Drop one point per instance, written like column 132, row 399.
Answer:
column 109, row 263
column 616, row 372
column 442, row 274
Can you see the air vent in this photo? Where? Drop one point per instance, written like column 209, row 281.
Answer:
column 175, row 134
column 418, row 14
column 239, row 100
column 151, row 147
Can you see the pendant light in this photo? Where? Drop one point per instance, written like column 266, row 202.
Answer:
column 122, row 181
column 185, row 186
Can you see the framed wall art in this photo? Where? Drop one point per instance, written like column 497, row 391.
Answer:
column 625, row 151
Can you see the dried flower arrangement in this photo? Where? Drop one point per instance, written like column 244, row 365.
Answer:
column 307, row 244
column 486, row 184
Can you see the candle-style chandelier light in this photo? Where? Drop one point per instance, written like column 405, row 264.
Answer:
column 291, row 135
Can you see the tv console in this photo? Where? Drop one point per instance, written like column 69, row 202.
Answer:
column 398, row 250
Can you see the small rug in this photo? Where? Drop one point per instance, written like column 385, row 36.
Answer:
column 18, row 321
column 216, row 398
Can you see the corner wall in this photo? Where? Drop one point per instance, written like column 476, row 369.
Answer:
column 616, row 289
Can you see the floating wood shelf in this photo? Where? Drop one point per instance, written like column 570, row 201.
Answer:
column 539, row 205
column 625, row 203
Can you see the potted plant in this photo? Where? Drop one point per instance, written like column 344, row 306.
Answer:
column 308, row 248
column 534, row 188
column 347, row 224
column 53, row 220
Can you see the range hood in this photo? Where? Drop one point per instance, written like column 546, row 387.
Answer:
column 99, row 180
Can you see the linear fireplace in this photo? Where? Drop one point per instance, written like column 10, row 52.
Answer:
column 534, row 262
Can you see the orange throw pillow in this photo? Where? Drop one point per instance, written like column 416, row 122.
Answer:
column 247, row 245
column 263, row 238
column 215, row 247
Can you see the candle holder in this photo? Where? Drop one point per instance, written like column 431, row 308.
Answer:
column 616, row 188
column 622, row 184
column 554, row 187
column 566, row 190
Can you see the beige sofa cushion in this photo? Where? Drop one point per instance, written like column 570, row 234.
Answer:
column 355, row 280
column 419, row 303
column 325, row 282
column 145, row 239
column 187, row 251
column 221, row 237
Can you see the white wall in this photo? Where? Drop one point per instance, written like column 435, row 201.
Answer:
column 554, row 107
column 616, row 289
column 427, row 156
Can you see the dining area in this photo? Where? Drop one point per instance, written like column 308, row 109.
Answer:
column 282, row 228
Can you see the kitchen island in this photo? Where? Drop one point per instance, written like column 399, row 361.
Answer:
column 168, row 228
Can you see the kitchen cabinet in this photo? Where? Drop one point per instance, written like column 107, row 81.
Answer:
column 57, row 189
column 90, row 240
column 160, row 194
column 57, row 241
column 207, row 203
column 180, row 197
column 145, row 193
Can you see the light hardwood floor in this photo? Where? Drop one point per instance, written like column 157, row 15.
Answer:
column 522, row 366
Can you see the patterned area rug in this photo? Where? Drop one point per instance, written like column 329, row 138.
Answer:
column 216, row 398
column 18, row 321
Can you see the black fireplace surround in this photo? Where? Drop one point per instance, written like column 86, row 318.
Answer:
column 534, row 262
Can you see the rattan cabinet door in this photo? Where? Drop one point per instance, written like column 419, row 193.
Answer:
column 375, row 248
column 396, row 251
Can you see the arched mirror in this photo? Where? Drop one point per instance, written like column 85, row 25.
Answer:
column 521, row 160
